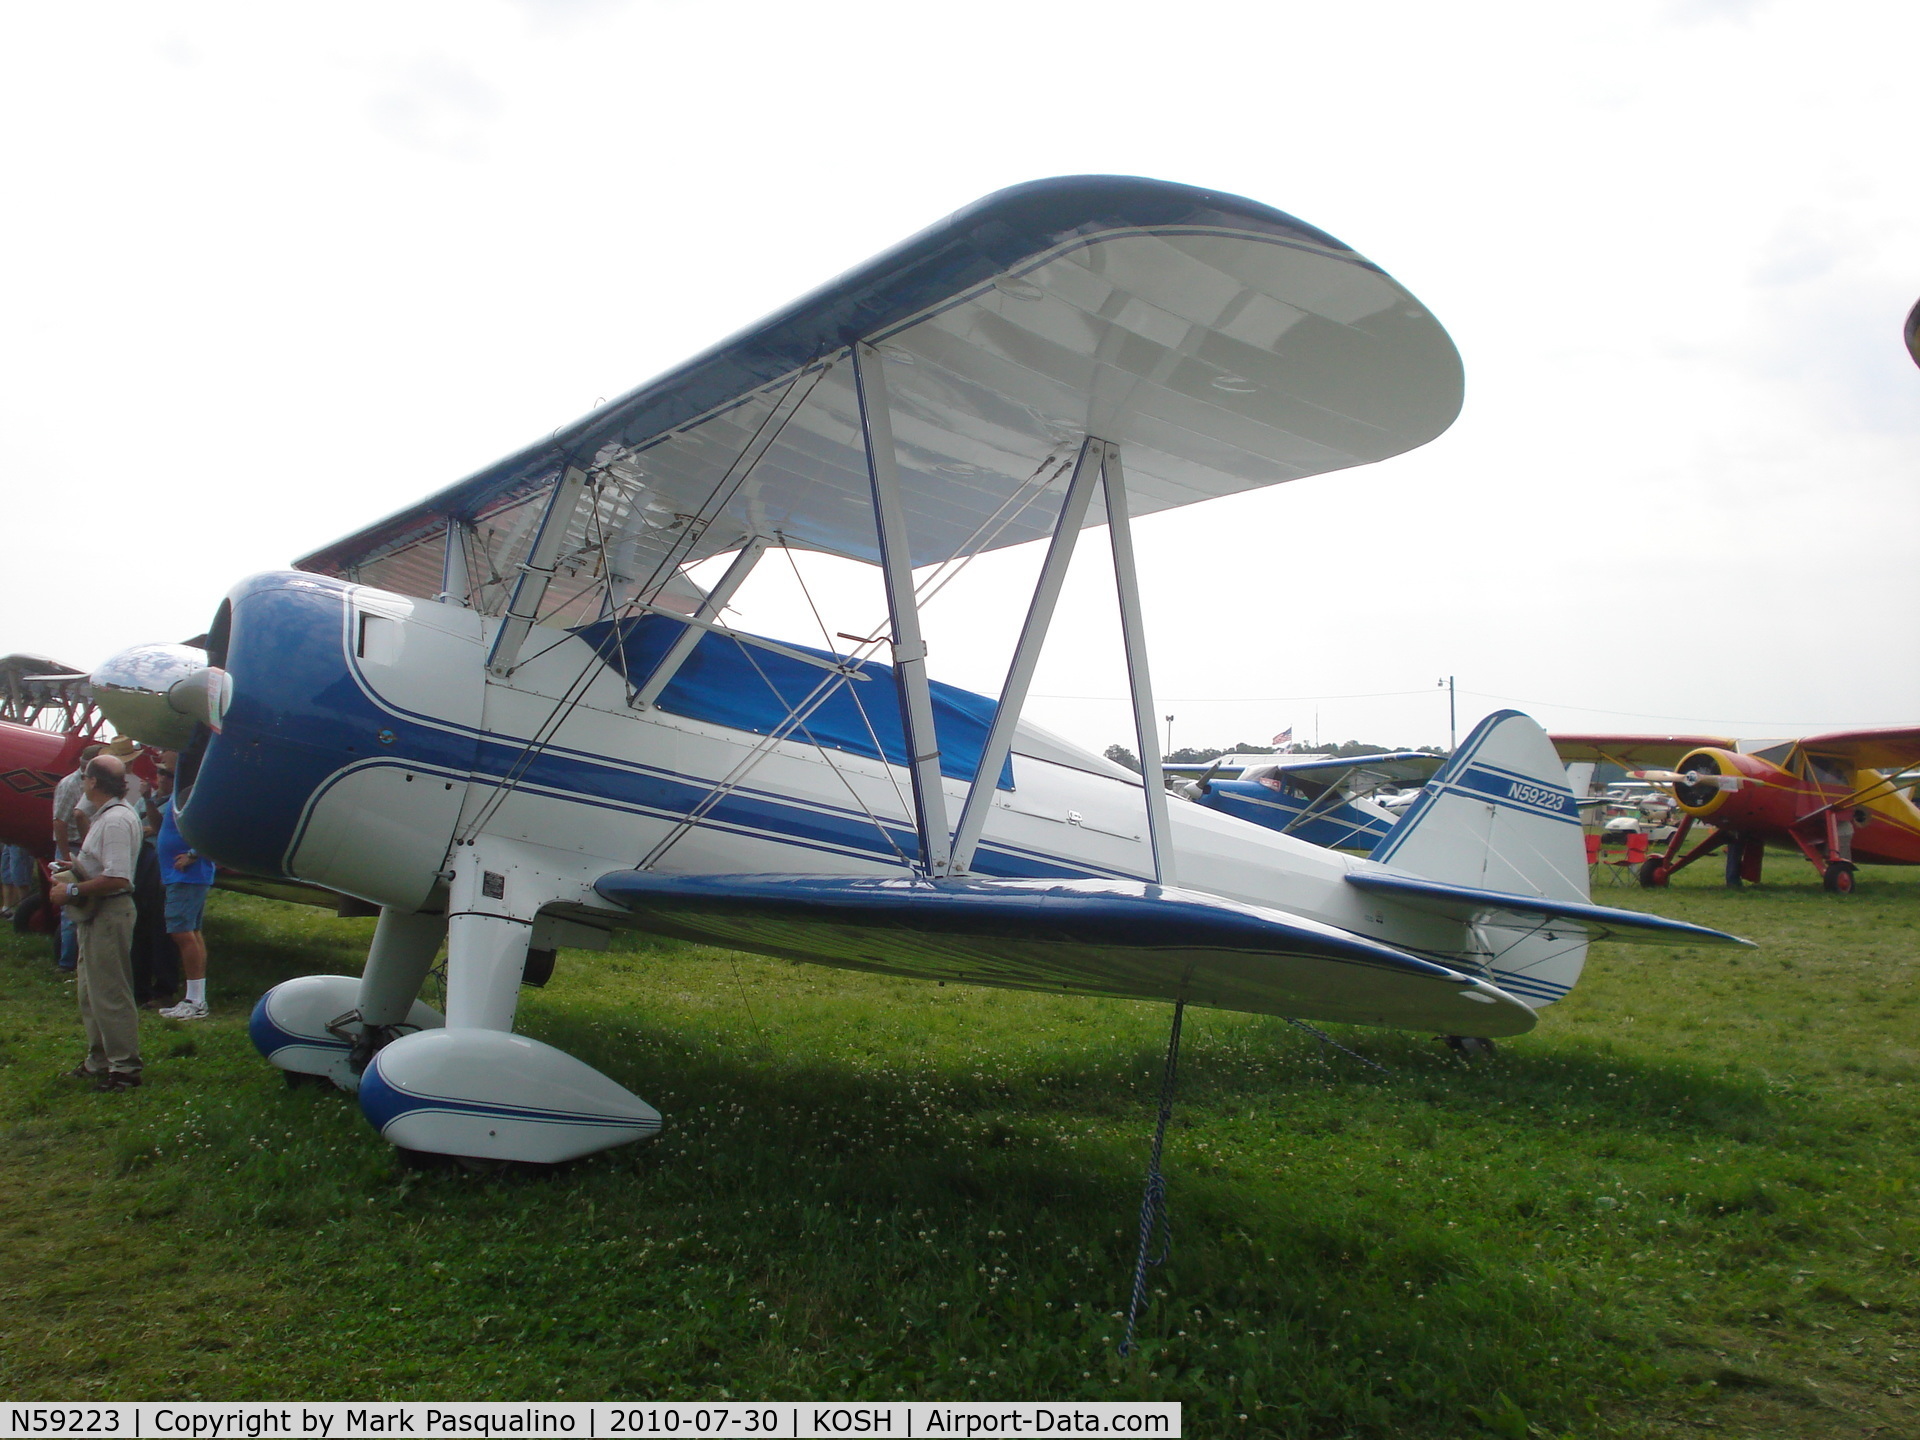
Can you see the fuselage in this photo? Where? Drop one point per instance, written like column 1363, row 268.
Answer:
column 366, row 740
column 32, row 760
column 1785, row 796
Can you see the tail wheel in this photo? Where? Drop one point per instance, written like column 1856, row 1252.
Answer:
column 1837, row 878
column 1654, row 874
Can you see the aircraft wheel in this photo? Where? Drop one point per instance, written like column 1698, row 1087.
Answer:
column 1654, row 874
column 1837, row 878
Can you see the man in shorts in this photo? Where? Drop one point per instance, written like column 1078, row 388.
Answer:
column 187, row 877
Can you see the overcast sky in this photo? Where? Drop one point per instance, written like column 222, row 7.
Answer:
column 273, row 271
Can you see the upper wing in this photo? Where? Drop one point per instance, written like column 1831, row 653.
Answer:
column 1225, row 345
column 1635, row 752
column 1398, row 767
column 1401, row 767
column 1889, row 749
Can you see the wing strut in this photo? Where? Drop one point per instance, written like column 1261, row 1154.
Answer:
column 1013, row 694
column 669, row 664
column 536, row 573
column 903, row 611
column 1127, row 582
column 456, row 585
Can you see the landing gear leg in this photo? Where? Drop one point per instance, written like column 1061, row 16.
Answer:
column 403, row 949
column 332, row 1026
column 1734, row 848
column 1657, row 870
column 475, row 1091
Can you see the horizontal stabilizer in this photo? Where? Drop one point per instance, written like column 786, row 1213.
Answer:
column 1098, row 937
column 1508, row 911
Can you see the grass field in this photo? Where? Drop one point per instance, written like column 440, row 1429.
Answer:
column 1682, row 1206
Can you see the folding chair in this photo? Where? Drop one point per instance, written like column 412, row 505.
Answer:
column 1624, row 869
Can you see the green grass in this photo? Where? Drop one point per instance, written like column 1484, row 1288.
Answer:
column 1682, row 1206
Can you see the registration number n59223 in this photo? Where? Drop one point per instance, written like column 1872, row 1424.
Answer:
column 1540, row 796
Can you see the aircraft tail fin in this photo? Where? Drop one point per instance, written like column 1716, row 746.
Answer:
column 1500, row 818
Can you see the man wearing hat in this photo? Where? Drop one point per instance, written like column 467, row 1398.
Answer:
column 100, row 879
column 128, row 753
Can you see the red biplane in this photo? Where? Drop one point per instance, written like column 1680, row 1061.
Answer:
column 1839, row 799
column 47, row 717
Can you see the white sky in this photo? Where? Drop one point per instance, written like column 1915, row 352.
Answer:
column 273, row 271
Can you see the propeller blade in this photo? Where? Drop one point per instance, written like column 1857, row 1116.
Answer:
column 1689, row 777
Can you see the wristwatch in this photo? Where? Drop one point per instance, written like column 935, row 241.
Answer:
column 73, row 892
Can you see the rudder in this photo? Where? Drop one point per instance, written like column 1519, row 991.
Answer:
column 1499, row 817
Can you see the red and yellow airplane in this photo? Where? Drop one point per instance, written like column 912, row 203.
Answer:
column 47, row 718
column 1840, row 799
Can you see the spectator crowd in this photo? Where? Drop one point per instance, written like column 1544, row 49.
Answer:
column 131, row 893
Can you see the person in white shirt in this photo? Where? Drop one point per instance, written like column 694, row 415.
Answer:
column 66, row 797
column 66, row 841
column 100, row 878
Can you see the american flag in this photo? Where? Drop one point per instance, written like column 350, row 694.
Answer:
column 1285, row 737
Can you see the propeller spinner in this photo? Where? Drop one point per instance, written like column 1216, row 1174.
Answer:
column 157, row 694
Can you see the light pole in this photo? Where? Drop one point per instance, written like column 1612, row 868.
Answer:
column 1169, row 736
column 1453, row 728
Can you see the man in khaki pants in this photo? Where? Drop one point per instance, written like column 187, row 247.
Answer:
column 100, row 887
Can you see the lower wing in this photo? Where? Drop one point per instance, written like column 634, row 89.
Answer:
column 1120, row 938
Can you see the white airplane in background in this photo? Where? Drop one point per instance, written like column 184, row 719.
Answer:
column 481, row 715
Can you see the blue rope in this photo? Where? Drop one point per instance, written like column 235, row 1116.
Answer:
column 1153, row 1204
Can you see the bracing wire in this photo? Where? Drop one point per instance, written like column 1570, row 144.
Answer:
column 852, row 694
column 576, row 691
column 827, row 759
column 732, row 780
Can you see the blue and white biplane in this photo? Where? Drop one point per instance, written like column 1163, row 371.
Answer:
column 506, row 717
column 1326, row 799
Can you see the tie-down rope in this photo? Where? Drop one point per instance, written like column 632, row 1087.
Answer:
column 1326, row 1039
column 1153, row 1204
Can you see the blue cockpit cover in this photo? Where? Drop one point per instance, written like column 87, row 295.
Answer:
column 746, row 688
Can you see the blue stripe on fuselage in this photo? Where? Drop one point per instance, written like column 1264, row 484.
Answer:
column 303, row 718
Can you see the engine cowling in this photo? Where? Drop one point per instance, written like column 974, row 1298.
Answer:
column 1732, row 790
